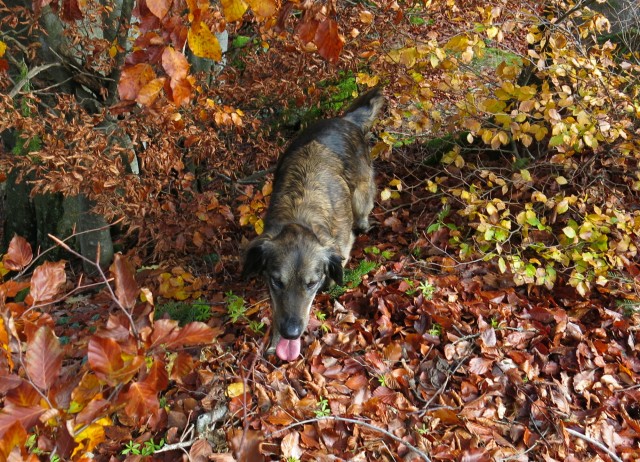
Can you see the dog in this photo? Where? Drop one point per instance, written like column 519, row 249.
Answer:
column 323, row 192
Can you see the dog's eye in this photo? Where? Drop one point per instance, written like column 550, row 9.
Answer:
column 277, row 283
column 312, row 284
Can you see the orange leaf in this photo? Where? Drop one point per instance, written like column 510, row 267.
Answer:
column 47, row 280
column 263, row 8
column 328, row 40
column 141, row 400
column 14, row 437
column 105, row 357
column 159, row 8
column 203, row 43
column 181, row 91
column 132, row 80
column 307, row 30
column 175, row 63
column 18, row 255
column 182, row 365
column 157, row 378
column 44, row 358
column 233, row 9
column 27, row 416
column 194, row 333
column 127, row 289
column 149, row 93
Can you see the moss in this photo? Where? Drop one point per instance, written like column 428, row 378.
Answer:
column 183, row 312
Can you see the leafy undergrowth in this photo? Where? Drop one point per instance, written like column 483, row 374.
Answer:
column 417, row 358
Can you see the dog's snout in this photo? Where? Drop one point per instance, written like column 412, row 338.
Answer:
column 291, row 328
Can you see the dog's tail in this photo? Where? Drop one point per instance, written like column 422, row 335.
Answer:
column 364, row 110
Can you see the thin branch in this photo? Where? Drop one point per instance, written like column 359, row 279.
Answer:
column 597, row 444
column 356, row 422
column 96, row 265
column 31, row 74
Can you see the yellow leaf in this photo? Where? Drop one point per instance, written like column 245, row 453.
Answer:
column 94, row 433
column 432, row 187
column 502, row 265
column 3, row 48
column 259, row 226
column 561, row 180
column 233, row 9
column 263, row 8
column 235, row 389
column 396, row 183
column 492, row 32
column 203, row 43
column 385, row 195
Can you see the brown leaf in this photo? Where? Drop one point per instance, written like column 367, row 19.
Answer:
column 194, row 333
column 307, row 30
column 175, row 64
column 157, row 378
column 47, row 280
column 127, row 289
column 18, row 255
column 159, row 8
column 328, row 40
column 27, row 416
column 246, row 446
column 44, row 358
column 133, row 79
column 181, row 91
column 479, row 365
column 201, row 452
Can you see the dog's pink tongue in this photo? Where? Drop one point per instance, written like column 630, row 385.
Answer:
column 288, row 350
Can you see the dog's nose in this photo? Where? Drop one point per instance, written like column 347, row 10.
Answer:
column 291, row 328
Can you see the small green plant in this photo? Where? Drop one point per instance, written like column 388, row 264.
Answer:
column 382, row 379
column 322, row 318
column 256, row 326
column 427, row 289
column 436, row 330
column 495, row 323
column 352, row 278
column 148, row 449
column 292, row 459
column 385, row 254
column 31, row 445
column 235, row 306
column 183, row 312
column 323, row 408
column 423, row 430
column 439, row 223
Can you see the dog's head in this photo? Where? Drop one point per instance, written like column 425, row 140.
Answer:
column 295, row 265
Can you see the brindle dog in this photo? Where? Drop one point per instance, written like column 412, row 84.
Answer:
column 323, row 191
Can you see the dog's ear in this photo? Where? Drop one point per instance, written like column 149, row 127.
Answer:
column 256, row 256
column 334, row 268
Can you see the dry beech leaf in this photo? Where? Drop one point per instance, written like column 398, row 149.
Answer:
column 133, row 79
column 47, row 280
column 159, row 8
column 44, row 358
column 127, row 289
column 18, row 254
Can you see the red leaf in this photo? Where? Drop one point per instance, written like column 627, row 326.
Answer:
column 27, row 416
column 307, row 30
column 328, row 40
column 132, row 80
column 175, row 64
column 142, row 401
column 44, row 358
column 22, row 396
column 127, row 289
column 47, row 280
column 71, row 10
column 159, row 8
column 18, row 255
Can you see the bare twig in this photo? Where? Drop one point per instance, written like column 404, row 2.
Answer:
column 96, row 265
column 597, row 444
column 356, row 422
column 31, row 74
